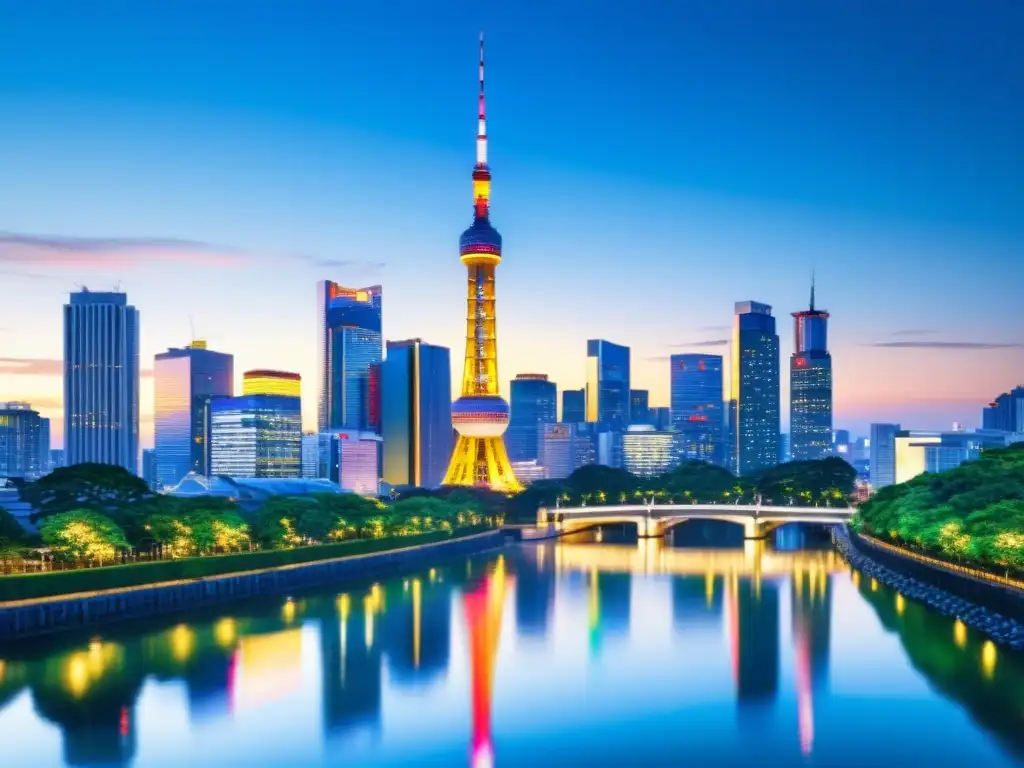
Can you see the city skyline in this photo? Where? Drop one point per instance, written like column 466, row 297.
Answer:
column 264, row 195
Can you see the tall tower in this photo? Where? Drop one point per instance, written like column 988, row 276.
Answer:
column 754, row 405
column 481, row 415
column 810, row 386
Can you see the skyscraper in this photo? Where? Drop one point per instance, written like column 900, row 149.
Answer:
column 574, row 406
column 349, row 343
column 696, row 389
column 149, row 468
column 416, row 413
column 646, row 452
column 184, row 382
column 309, row 460
column 19, row 441
column 883, row 454
column 351, row 459
column 639, row 406
column 480, row 415
column 534, row 402
column 564, row 448
column 607, row 384
column 1006, row 412
column 44, row 446
column 754, row 405
column 101, row 380
column 810, row 386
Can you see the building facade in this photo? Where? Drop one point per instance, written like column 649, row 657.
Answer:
column 607, row 390
column 574, row 406
column 533, row 403
column 349, row 344
column 1006, row 412
column 564, row 448
column 646, row 452
column 810, row 386
column 20, row 428
column 44, row 446
column 882, row 454
column 149, row 467
column 696, row 391
column 184, row 382
column 639, row 406
column 256, row 435
column 101, row 380
column 310, row 461
column 352, row 459
column 754, row 402
column 416, row 413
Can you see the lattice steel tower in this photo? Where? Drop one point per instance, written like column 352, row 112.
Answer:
column 481, row 415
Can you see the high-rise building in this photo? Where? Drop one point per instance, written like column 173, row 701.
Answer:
column 352, row 459
column 661, row 417
column 349, row 343
column 607, row 389
column 696, row 390
column 258, row 434
column 44, row 446
column 481, row 415
column 882, row 449
column 566, row 447
column 101, row 380
column 810, row 386
column 309, row 460
column 574, row 406
column 57, row 458
column 416, row 413
column 639, row 407
column 785, row 453
column 149, row 468
column 917, row 452
column 1006, row 412
column 19, row 441
column 646, row 452
column 184, row 382
column 534, row 402
column 754, row 404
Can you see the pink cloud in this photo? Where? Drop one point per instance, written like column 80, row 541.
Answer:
column 43, row 251
column 41, row 366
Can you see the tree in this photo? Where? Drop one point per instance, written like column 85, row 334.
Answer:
column 597, row 478
column 10, row 528
column 100, row 487
column 83, row 535
column 276, row 521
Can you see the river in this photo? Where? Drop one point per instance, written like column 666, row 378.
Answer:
column 596, row 650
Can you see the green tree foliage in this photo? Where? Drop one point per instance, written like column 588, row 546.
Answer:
column 826, row 481
column 100, row 487
column 83, row 535
column 699, row 482
column 972, row 513
column 594, row 480
column 10, row 529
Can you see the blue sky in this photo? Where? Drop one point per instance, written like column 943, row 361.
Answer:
column 653, row 163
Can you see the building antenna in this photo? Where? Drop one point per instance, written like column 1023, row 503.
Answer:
column 812, row 289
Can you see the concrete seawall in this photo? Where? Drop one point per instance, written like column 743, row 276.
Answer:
column 68, row 612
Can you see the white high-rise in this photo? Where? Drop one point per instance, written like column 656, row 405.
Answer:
column 101, row 380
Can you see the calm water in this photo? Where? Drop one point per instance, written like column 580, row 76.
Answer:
column 575, row 653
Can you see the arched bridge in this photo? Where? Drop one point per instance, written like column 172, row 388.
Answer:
column 651, row 519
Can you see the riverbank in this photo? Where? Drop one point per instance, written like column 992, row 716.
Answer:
column 1003, row 630
column 54, row 613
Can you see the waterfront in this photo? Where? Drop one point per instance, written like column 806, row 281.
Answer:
column 576, row 652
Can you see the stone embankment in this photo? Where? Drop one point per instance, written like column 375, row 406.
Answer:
column 1001, row 629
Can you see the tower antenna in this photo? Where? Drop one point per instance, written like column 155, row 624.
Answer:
column 812, row 289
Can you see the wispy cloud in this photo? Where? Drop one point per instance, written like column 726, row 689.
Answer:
column 945, row 345
column 705, row 343
column 51, row 251
column 914, row 332
column 370, row 266
column 41, row 366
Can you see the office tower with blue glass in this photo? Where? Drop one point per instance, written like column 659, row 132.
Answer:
column 349, row 343
column 258, row 433
column 416, row 413
column 574, row 406
column 533, row 403
column 882, row 454
column 607, row 390
column 754, row 402
column 810, row 386
column 185, row 380
column 1006, row 412
column 19, row 441
column 639, row 406
column 696, row 392
column 44, row 446
column 101, row 380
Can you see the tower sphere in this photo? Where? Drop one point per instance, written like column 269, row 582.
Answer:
column 480, row 415
column 481, row 237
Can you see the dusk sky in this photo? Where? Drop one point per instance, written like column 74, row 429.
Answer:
column 653, row 162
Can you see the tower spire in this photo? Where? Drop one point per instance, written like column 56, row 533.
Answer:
column 812, row 290
column 481, row 133
column 481, row 171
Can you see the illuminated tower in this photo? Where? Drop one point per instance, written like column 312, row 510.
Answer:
column 810, row 386
column 480, row 415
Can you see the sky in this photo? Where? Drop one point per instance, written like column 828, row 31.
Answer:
column 654, row 162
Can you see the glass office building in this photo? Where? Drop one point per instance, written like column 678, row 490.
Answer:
column 416, row 413
column 352, row 459
column 754, row 404
column 607, row 390
column 646, row 452
column 256, row 436
column 639, row 407
column 564, row 448
column 20, row 429
column 574, row 406
column 534, row 403
column 810, row 386
column 184, row 382
column 696, row 392
column 349, row 344
column 101, row 380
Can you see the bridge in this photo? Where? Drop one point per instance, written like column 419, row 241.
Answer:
column 652, row 520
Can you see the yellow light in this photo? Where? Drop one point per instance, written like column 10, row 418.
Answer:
column 182, row 640
column 416, row 607
column 3, row 669
column 271, row 383
column 432, row 575
column 76, row 675
column 874, row 585
column 368, row 620
column 288, row 611
column 225, row 632
column 900, row 604
column 709, row 588
column 959, row 633
column 988, row 659
column 856, row 578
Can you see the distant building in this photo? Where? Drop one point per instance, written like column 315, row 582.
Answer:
column 101, row 380
column 607, row 390
column 56, row 458
column 574, row 406
column 19, row 441
column 349, row 344
column 754, row 405
column 639, row 406
column 661, row 417
column 917, row 452
column 352, row 459
column 647, row 452
column 1006, row 412
column 696, row 389
column 810, row 386
column 564, row 448
column 310, row 454
column 416, row 413
column 533, row 403
column 785, row 453
column 256, row 435
column 609, row 445
column 44, row 446
column 528, row 471
column 184, row 382
column 149, row 468
column 882, row 452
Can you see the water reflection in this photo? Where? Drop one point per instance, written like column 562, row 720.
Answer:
column 440, row 639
